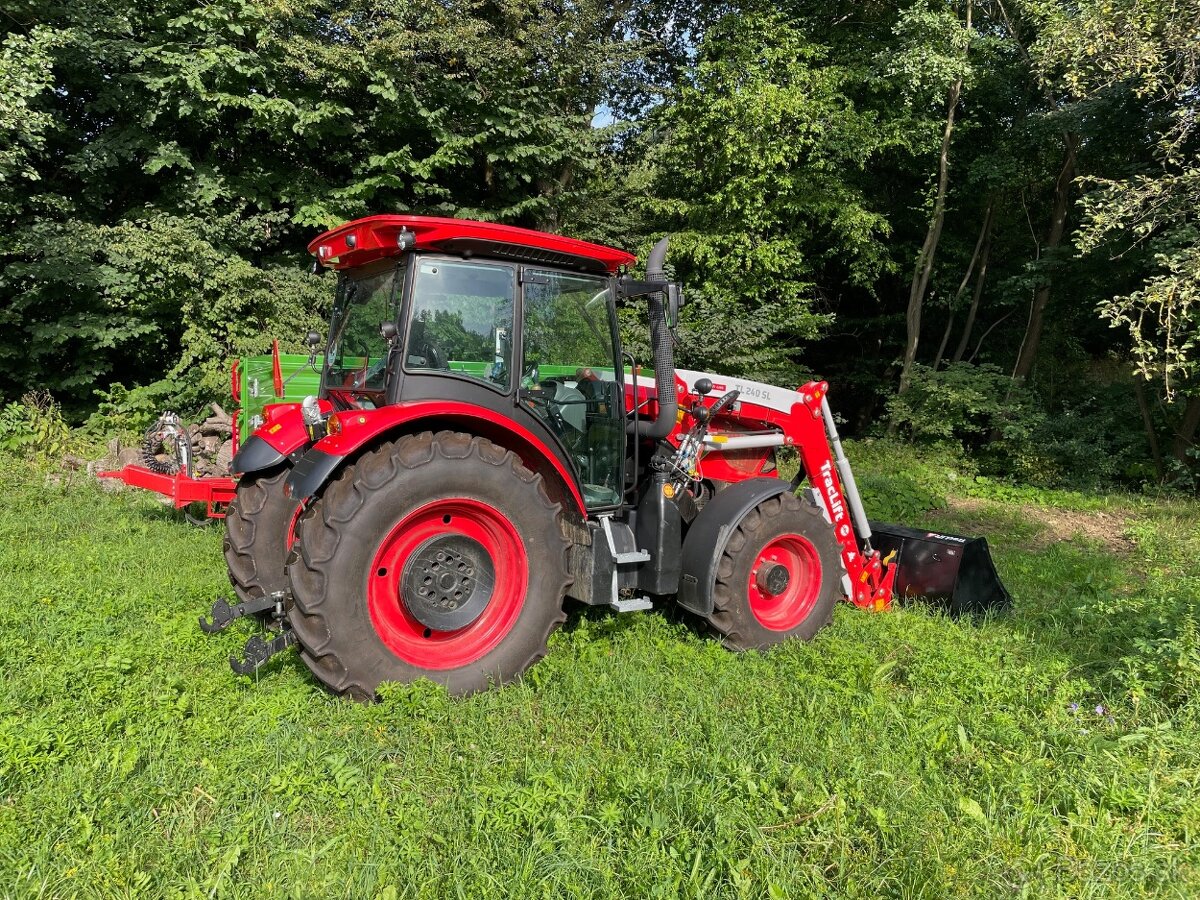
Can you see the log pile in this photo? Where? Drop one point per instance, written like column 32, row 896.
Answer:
column 212, row 443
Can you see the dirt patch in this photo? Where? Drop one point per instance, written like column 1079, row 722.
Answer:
column 1055, row 525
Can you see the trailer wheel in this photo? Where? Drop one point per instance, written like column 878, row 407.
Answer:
column 779, row 576
column 437, row 556
column 258, row 533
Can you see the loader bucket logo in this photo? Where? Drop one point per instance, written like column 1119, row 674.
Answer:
column 946, row 537
column 837, row 509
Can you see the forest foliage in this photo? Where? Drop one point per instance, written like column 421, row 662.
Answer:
column 988, row 203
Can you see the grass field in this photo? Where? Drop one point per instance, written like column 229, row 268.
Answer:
column 1053, row 752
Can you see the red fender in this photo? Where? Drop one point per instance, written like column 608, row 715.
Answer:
column 360, row 427
column 283, row 427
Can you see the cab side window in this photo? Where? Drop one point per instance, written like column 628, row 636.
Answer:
column 462, row 320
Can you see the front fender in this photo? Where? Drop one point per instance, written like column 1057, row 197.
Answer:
column 284, row 428
column 256, row 455
column 361, row 428
column 711, row 531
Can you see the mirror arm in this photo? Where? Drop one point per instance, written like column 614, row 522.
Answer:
column 630, row 287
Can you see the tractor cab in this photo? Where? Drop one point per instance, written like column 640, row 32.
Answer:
column 511, row 327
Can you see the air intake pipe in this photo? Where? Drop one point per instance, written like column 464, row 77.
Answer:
column 664, row 353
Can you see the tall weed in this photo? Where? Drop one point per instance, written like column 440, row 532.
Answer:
column 34, row 427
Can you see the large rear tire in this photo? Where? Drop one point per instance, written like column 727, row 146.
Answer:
column 779, row 576
column 258, row 533
column 436, row 556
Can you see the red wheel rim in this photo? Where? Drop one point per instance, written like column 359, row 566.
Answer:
column 291, row 534
column 400, row 630
column 784, row 609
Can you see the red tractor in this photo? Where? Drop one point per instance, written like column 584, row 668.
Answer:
column 480, row 451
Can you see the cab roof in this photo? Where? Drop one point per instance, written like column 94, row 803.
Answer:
column 375, row 237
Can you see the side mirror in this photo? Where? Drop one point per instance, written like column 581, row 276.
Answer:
column 389, row 331
column 674, row 302
column 313, row 339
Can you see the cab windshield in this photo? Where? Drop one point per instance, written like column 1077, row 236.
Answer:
column 356, row 358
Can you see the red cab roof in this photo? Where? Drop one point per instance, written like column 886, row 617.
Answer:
column 366, row 240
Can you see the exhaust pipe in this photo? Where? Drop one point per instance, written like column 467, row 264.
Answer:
column 664, row 353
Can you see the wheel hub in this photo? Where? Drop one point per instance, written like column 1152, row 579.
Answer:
column 785, row 582
column 447, row 582
column 773, row 579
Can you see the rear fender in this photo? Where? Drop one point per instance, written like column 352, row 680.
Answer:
column 364, row 429
column 711, row 531
column 282, row 434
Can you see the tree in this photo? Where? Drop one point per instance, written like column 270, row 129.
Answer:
column 238, row 129
column 922, row 28
column 1147, row 48
column 755, row 174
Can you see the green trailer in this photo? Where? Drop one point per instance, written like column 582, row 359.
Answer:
column 256, row 382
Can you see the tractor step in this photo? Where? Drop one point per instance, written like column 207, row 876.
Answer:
column 624, row 558
column 257, row 651
column 633, row 556
column 632, row 604
column 223, row 615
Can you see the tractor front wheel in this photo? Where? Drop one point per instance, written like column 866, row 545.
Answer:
column 779, row 576
column 437, row 556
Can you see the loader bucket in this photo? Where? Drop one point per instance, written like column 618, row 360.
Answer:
column 953, row 572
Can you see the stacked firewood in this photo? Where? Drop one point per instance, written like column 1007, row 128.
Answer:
column 212, row 443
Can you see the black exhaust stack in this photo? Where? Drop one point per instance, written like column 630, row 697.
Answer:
column 664, row 352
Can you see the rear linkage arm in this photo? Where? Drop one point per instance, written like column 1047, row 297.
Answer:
column 256, row 651
column 223, row 615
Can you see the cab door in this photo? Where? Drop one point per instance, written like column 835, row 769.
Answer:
column 571, row 375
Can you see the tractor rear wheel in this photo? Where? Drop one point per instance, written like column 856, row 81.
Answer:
column 779, row 576
column 258, row 534
column 438, row 556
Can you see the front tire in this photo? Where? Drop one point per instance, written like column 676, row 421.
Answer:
column 779, row 576
column 437, row 556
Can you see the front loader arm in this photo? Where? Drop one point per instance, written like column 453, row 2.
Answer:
column 816, row 439
column 739, row 446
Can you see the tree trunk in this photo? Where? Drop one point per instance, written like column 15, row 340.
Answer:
column 937, row 360
column 920, row 282
column 1058, row 222
column 1185, row 437
column 989, row 220
column 991, row 328
column 1147, row 422
column 962, row 285
column 924, row 268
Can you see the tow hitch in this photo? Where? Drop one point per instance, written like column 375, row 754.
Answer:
column 257, row 651
column 223, row 615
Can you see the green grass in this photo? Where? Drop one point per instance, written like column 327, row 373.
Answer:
column 898, row 755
